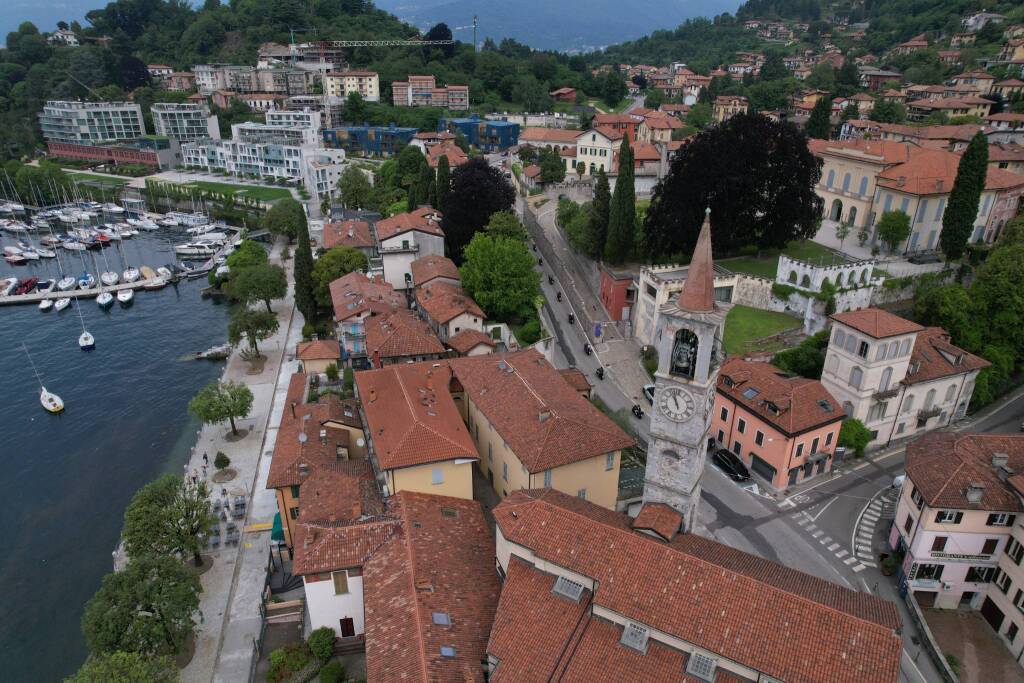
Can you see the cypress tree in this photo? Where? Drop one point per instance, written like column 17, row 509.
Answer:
column 303, row 260
column 962, row 209
column 599, row 215
column 423, row 186
column 443, row 183
column 622, row 216
column 818, row 125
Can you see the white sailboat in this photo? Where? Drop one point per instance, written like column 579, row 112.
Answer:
column 86, row 341
column 105, row 300
column 62, row 303
column 108, row 277
column 46, row 304
column 51, row 402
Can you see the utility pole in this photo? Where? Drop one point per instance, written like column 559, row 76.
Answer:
column 474, row 33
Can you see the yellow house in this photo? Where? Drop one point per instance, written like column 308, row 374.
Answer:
column 532, row 429
column 344, row 83
column 417, row 441
column 316, row 355
column 311, row 436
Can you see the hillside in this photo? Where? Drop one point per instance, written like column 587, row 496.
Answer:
column 570, row 25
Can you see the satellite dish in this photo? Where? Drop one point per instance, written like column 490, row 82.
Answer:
column 303, row 438
column 360, row 442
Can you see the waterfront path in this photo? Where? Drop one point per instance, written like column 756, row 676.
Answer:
column 232, row 587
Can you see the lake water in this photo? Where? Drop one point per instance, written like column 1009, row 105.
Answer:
column 66, row 479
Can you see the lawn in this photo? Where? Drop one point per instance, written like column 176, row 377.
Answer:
column 767, row 264
column 96, row 179
column 267, row 194
column 744, row 325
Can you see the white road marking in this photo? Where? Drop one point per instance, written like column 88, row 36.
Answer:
column 824, row 507
column 817, row 533
column 834, row 546
column 825, row 539
column 859, row 568
column 850, row 560
column 841, row 554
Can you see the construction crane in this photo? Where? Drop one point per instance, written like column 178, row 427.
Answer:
column 381, row 43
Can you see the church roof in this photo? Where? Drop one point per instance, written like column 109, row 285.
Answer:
column 698, row 293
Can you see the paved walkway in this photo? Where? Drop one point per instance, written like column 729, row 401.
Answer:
column 231, row 588
column 966, row 636
column 895, row 265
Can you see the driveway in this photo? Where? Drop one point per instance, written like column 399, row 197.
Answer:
column 966, row 636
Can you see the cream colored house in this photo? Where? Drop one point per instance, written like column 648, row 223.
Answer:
column 344, row 83
column 596, row 149
column 848, row 174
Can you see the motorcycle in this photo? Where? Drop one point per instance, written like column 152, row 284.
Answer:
column 540, row 262
column 638, row 412
column 572, row 318
column 558, row 296
column 587, row 349
column 551, row 280
column 600, row 373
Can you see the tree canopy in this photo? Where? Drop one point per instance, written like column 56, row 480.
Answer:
column 355, row 187
column 251, row 324
column 962, row 209
column 246, row 255
column 168, row 516
column 762, row 197
column 619, row 243
column 506, row 224
column 818, row 125
column 219, row 401
column 478, row 191
column 285, row 217
column 259, row 283
column 893, row 228
column 334, row 263
column 125, row 667
column 498, row 273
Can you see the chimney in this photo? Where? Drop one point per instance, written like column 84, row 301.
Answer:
column 430, row 380
column 1000, row 459
column 373, row 395
column 901, row 181
column 974, row 493
column 376, row 360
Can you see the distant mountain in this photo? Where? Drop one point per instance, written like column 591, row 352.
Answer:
column 565, row 25
column 44, row 15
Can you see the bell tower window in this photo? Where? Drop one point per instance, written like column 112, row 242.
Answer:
column 684, row 354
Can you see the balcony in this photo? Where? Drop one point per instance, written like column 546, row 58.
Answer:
column 928, row 413
column 886, row 394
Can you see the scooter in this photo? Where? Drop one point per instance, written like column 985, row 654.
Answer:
column 551, row 280
column 540, row 262
column 558, row 296
column 572, row 318
column 600, row 373
column 587, row 349
column 638, row 412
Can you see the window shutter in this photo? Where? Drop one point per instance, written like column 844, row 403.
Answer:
column 991, row 520
column 938, row 516
column 958, row 517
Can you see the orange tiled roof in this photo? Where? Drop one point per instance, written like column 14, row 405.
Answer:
column 344, row 491
column 942, row 465
column 442, row 301
column 548, row 136
column 355, row 234
column 576, row 379
column 320, row 349
column 814, row 631
column 454, row 153
column 882, row 151
column 935, row 357
column 876, row 323
column 399, row 334
column 543, row 419
column 659, row 518
column 468, row 339
column 355, row 294
column 424, row 219
column 411, row 416
column 431, row 267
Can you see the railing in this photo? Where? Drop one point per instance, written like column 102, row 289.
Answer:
column 927, row 413
column 882, row 395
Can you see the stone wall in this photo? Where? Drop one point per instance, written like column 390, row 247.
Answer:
column 812, row 276
column 756, row 292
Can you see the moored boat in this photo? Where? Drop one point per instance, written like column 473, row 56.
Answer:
column 155, row 283
column 61, row 304
column 125, row 297
column 105, row 300
column 109, row 278
column 52, row 403
column 46, row 304
column 7, row 285
column 66, row 283
column 86, row 281
column 130, row 274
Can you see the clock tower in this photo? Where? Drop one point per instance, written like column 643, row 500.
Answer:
column 688, row 339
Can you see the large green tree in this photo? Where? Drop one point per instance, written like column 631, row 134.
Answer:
column 355, row 188
column 764, row 197
column 998, row 298
column 246, row 255
column 498, row 273
column 818, row 125
column 893, row 228
column 252, row 325
column 962, row 208
column 478, row 191
column 443, row 183
column 622, row 214
column 552, row 168
column 599, row 216
column 305, row 298
column 125, row 667
column 334, row 263
column 219, row 401
column 259, row 283
column 950, row 307
column 146, row 608
column 506, row 224
column 285, row 217
column 168, row 516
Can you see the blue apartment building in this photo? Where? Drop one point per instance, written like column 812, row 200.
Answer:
column 487, row 136
column 366, row 140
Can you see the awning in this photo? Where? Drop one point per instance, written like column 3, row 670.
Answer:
column 277, row 531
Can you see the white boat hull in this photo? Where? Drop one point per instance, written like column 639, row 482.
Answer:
column 61, row 304
column 66, row 284
column 109, row 278
column 125, row 297
column 130, row 275
column 105, row 300
column 51, row 402
column 86, row 341
column 46, row 304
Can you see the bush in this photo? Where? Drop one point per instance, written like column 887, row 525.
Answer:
column 349, row 380
column 782, row 291
column 333, row 672
column 529, row 332
column 649, row 358
column 954, row 663
column 287, row 661
column 308, row 331
column 854, row 435
column 332, row 372
column 220, row 461
column 321, row 643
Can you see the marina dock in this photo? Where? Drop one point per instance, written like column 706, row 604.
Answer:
column 91, row 293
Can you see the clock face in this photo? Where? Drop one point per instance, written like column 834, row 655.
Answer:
column 675, row 404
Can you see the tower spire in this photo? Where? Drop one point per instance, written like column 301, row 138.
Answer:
column 698, row 293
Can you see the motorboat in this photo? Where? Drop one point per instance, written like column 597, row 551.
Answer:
column 164, row 272
column 105, row 300
column 198, row 248
column 86, row 281
column 86, row 341
column 66, row 283
column 7, row 286
column 109, row 233
column 46, row 304
column 50, row 241
column 112, row 209
column 147, row 272
column 187, row 219
column 52, row 403
column 26, row 286
column 40, row 252
column 109, row 278
column 46, row 286
column 130, row 274
column 15, row 259
column 61, row 304
column 168, row 222
column 72, row 245
column 12, row 251
column 28, row 252
column 125, row 297
column 144, row 224
column 15, row 226
column 155, row 283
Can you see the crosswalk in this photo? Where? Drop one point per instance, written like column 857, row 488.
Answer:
column 806, row 523
column 879, row 512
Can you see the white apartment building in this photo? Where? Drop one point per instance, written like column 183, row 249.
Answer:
column 89, row 123
column 294, row 118
column 406, row 237
column 184, row 122
column 596, row 149
column 895, row 376
column 658, row 284
column 344, row 83
column 271, row 153
column 954, row 526
column 253, row 79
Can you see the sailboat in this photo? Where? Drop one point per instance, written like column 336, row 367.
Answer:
column 125, row 297
column 62, row 303
column 51, row 402
column 108, row 277
column 105, row 300
column 86, row 341
column 46, row 304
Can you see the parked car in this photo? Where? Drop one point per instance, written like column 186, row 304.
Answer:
column 649, row 393
column 898, row 480
column 730, row 464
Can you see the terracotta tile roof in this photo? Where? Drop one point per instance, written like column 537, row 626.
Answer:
column 963, row 131
column 814, row 630
column 659, row 518
column 289, row 452
column 320, row 349
column 950, row 102
column 456, row 157
column 1006, row 116
column 324, row 546
column 531, row 171
column 345, row 491
column 929, row 171
column 999, row 179
column 607, row 131
column 942, row 465
column 400, row 334
column 1010, row 83
column 355, row 294
column 698, row 293
column 355, row 234
column 548, row 136
column 663, row 123
column 935, row 357
column 424, row 219
column 876, row 323
column 792, row 405
column 879, row 151
column 440, row 562
column 1007, row 151
column 442, row 301
column 411, row 416
column 427, row 268
column 643, row 151
column 567, row 152
column 468, row 339
column 544, row 421
column 976, row 75
column 576, row 379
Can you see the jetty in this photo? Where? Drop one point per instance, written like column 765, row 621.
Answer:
column 36, row 297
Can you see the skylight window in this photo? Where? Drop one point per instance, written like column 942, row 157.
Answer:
column 442, row 619
column 447, row 651
column 751, row 393
column 635, row 636
column 701, row 666
column 825, row 405
column 567, row 589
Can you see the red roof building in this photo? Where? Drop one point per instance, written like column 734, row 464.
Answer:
column 353, row 233
column 400, row 337
column 472, row 343
column 434, row 268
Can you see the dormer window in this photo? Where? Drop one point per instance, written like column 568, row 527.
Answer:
column 635, row 636
column 727, row 381
column 701, row 666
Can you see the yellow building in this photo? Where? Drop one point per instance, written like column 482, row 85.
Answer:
column 727, row 106
column 417, row 441
column 532, row 429
column 344, row 83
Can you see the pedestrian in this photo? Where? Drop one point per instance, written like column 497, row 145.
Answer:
column 206, row 459
column 204, row 471
column 195, row 476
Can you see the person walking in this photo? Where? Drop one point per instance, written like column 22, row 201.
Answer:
column 206, row 459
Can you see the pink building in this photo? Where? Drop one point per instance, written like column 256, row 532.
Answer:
column 785, row 429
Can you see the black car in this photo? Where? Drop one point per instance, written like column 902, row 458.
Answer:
column 730, row 464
